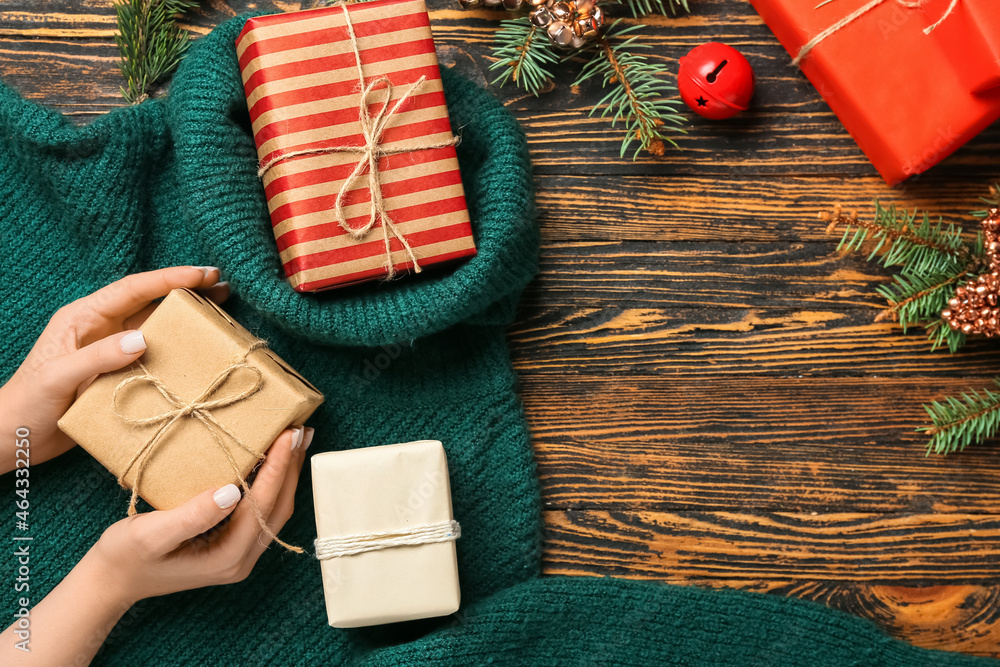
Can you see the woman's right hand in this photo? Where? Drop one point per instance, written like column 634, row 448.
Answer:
column 163, row 552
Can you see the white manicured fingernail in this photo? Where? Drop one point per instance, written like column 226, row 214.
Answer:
column 208, row 269
column 308, row 438
column 297, row 436
column 221, row 283
column 132, row 343
column 227, row 496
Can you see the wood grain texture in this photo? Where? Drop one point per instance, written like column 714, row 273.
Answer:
column 716, row 443
column 711, row 401
column 680, row 341
column 714, row 274
column 789, row 129
column 905, row 549
column 954, row 617
column 744, row 209
column 880, row 566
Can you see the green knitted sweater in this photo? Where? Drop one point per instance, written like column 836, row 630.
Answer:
column 173, row 181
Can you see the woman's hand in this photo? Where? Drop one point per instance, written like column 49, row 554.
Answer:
column 95, row 334
column 163, row 552
column 158, row 553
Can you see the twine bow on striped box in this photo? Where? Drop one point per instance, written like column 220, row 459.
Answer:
column 355, row 148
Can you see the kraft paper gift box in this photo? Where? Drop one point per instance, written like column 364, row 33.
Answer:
column 390, row 494
column 306, row 102
column 192, row 344
column 909, row 98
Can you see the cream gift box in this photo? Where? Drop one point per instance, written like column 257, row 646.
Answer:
column 385, row 534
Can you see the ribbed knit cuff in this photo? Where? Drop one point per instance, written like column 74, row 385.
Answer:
column 607, row 621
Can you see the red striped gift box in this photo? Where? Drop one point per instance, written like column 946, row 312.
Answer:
column 303, row 91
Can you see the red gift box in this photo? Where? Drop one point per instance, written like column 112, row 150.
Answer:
column 898, row 91
column 320, row 125
column 977, row 25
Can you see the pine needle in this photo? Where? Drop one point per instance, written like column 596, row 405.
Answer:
column 643, row 7
column 524, row 54
column 917, row 299
column 993, row 200
column 957, row 423
column 150, row 42
column 898, row 240
column 640, row 98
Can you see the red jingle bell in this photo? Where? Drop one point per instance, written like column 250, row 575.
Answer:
column 715, row 81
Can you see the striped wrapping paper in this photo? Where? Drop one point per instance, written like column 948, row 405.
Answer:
column 302, row 89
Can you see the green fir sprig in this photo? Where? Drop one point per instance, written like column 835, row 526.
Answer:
column 932, row 259
column 150, row 42
column 524, row 55
column 957, row 423
column 640, row 99
column 639, row 96
column 991, row 201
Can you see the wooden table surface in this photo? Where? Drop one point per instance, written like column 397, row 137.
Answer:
column 711, row 401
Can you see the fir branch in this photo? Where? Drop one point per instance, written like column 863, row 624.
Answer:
column 933, row 258
column 922, row 248
column 916, row 300
column 958, row 423
column 524, row 54
column 150, row 42
column 640, row 8
column 940, row 334
column 640, row 97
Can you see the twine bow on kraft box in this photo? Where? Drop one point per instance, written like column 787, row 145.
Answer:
column 386, row 534
column 911, row 80
column 355, row 147
column 197, row 411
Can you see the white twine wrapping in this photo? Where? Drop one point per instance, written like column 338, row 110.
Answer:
column 861, row 11
column 349, row 545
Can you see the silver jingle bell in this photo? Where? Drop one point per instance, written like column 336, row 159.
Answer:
column 560, row 33
column 541, row 17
